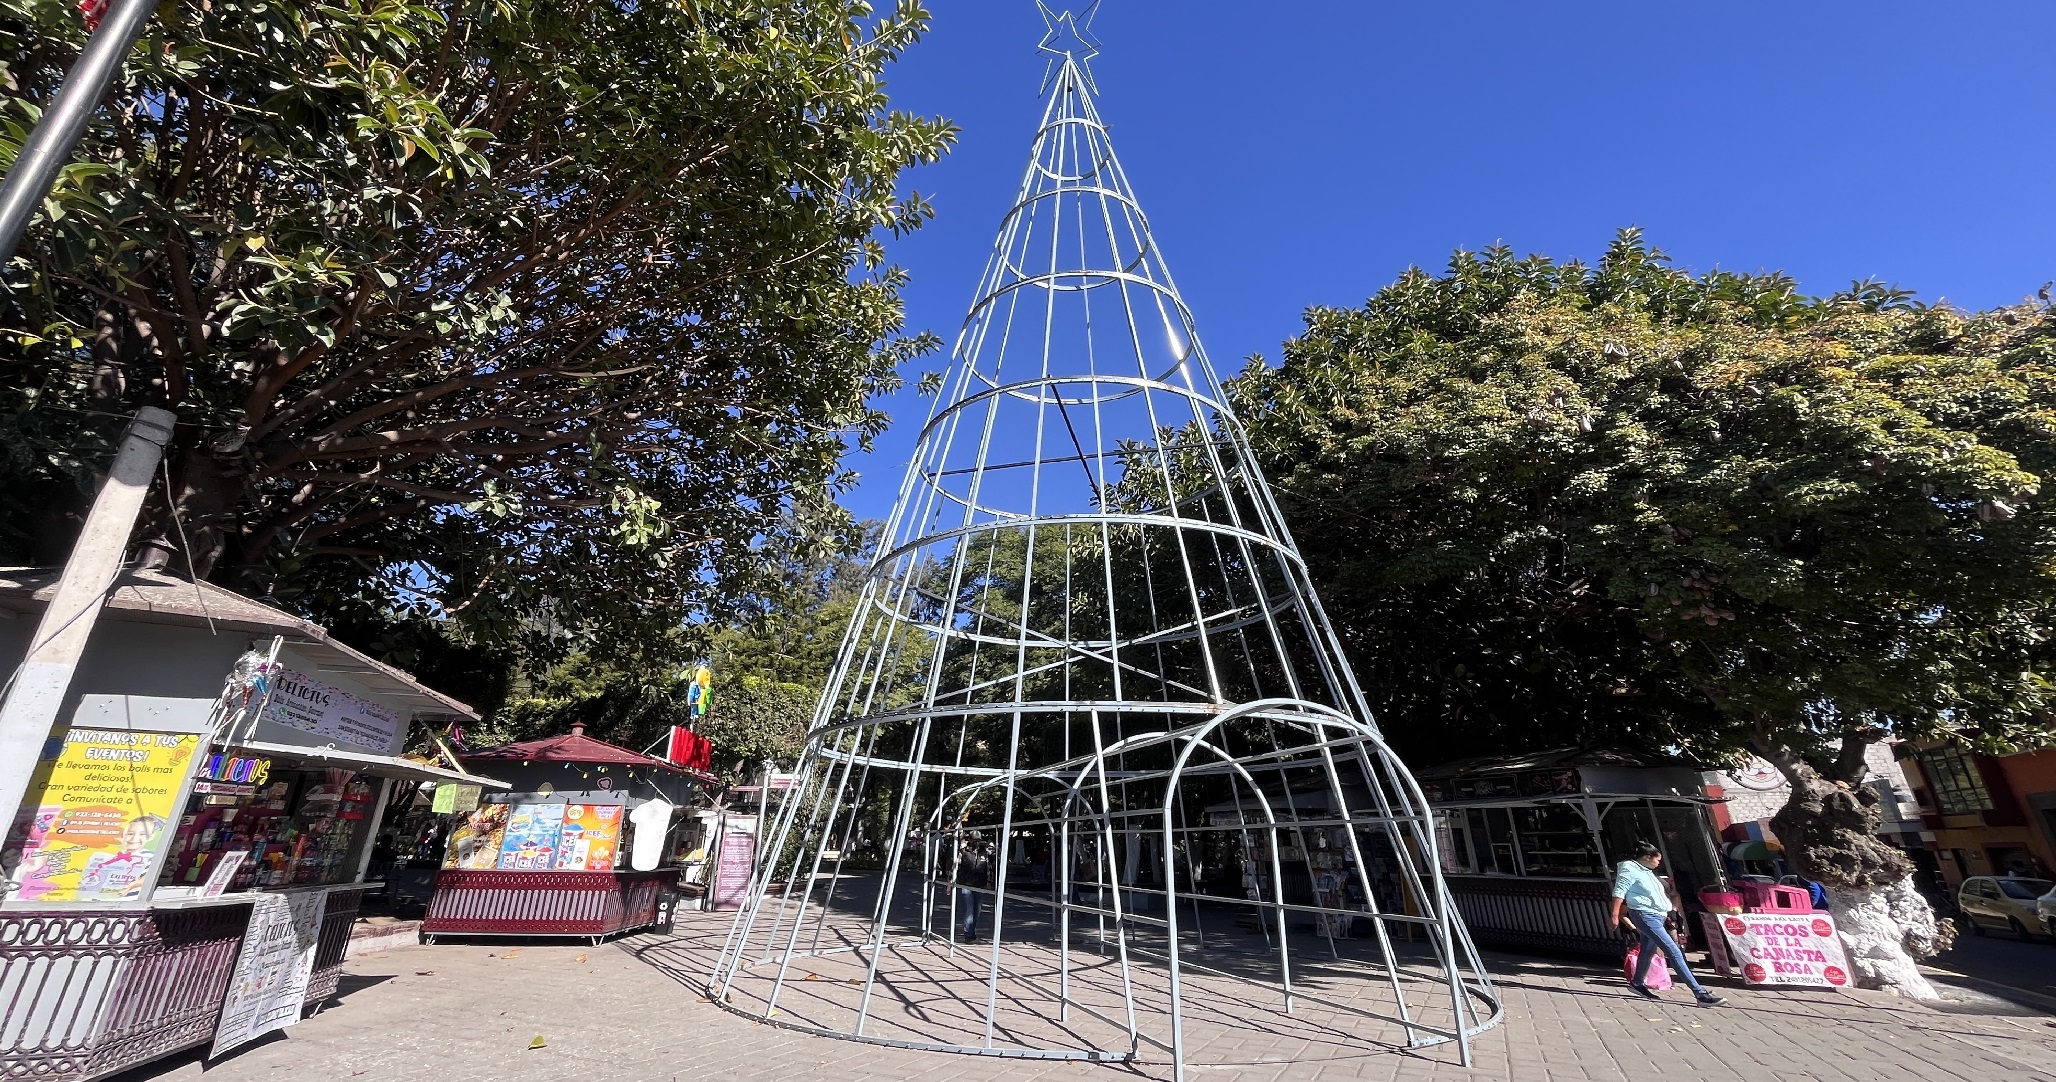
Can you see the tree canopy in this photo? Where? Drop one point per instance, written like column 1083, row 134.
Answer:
column 1550, row 503
column 543, row 315
column 770, row 664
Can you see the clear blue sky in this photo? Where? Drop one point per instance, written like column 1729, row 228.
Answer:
column 1297, row 154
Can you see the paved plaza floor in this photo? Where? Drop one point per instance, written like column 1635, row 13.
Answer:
column 635, row 1011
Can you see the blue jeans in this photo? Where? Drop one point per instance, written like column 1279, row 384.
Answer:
column 1656, row 938
column 967, row 912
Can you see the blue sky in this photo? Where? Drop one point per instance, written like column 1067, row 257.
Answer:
column 1305, row 154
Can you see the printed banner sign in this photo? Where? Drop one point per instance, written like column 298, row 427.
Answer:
column 224, row 873
column 1777, row 948
column 270, row 982
column 92, row 824
column 590, row 837
column 531, row 842
column 475, row 844
column 450, row 798
column 333, row 714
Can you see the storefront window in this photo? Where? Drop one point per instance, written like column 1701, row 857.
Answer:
column 1622, row 827
column 1554, row 841
column 1492, row 841
column 1686, row 840
column 1958, row 788
column 1454, row 841
column 286, row 827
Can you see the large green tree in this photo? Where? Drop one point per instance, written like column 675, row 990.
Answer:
column 1550, row 502
column 545, row 315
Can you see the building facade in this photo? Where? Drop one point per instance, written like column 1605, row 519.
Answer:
column 1986, row 814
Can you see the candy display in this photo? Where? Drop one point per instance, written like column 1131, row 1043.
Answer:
column 296, row 827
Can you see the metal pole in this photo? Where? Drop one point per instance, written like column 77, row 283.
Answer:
column 49, row 146
column 38, row 690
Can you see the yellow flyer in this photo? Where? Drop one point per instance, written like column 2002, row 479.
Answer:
column 92, row 824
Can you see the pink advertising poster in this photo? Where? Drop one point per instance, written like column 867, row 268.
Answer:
column 1777, row 948
column 732, row 869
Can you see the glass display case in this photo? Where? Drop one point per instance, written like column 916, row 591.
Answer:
column 290, row 827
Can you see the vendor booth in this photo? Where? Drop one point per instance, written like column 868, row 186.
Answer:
column 191, row 852
column 581, row 845
column 1529, row 842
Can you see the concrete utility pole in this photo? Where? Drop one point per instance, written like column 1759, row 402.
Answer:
column 30, row 709
column 49, row 146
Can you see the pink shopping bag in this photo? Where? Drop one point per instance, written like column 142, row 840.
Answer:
column 1659, row 969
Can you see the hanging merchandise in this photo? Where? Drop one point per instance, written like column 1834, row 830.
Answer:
column 651, row 822
column 690, row 749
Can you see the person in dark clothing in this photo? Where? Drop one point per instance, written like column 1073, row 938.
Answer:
column 973, row 870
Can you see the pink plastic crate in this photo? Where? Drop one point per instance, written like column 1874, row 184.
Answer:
column 1771, row 898
column 1717, row 900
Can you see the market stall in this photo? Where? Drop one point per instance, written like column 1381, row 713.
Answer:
column 582, row 844
column 190, row 856
column 1529, row 842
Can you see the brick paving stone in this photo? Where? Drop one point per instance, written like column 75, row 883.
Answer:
column 634, row 1011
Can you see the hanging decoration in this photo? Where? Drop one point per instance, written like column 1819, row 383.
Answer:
column 700, row 693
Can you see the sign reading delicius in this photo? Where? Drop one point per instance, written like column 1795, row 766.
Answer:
column 311, row 706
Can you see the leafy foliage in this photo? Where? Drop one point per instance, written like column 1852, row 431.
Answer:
column 1551, row 503
column 752, row 720
column 542, row 316
column 770, row 668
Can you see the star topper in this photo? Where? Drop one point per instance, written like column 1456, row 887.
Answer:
column 1070, row 38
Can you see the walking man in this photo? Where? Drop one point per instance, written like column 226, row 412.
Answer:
column 1641, row 903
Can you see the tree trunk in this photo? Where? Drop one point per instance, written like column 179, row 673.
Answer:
column 1829, row 831
column 202, row 513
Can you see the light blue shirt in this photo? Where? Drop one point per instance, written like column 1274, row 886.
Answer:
column 1639, row 887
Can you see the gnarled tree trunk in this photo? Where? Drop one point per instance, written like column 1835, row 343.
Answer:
column 1829, row 831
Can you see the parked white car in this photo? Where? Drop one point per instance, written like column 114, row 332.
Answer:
column 2046, row 905
column 2004, row 903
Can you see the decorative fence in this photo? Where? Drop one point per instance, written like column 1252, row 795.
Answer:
column 89, row 994
column 338, row 915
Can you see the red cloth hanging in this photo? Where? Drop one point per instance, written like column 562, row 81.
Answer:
column 690, row 749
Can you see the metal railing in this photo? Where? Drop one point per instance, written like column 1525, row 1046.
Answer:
column 90, row 994
column 338, row 916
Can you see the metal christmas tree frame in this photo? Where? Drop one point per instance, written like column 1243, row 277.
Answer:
column 1090, row 642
